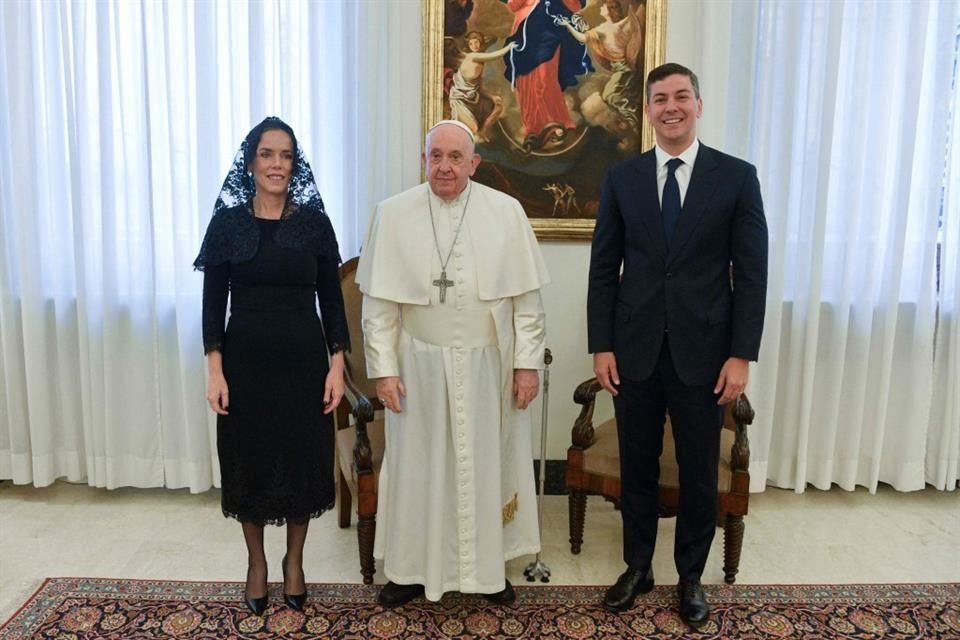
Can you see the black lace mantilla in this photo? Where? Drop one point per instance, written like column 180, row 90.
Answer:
column 233, row 235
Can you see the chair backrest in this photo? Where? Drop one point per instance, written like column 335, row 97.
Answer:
column 352, row 303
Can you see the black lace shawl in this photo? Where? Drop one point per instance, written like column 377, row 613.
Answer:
column 233, row 235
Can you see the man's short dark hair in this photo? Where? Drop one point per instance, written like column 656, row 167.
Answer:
column 670, row 69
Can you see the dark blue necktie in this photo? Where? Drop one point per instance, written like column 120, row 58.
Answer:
column 670, row 202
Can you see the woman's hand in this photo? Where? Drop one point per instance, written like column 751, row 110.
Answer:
column 333, row 387
column 218, row 395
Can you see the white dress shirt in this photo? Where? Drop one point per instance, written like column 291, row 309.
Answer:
column 683, row 172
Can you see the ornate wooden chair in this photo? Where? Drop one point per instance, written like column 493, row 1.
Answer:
column 360, row 438
column 593, row 467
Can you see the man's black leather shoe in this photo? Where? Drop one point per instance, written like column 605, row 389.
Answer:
column 694, row 609
column 394, row 595
column 507, row 596
column 629, row 585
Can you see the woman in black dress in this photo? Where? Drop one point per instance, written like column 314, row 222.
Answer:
column 276, row 372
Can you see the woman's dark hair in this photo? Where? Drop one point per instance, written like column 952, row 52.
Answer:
column 253, row 139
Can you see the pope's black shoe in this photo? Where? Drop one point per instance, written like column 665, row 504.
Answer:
column 507, row 596
column 694, row 609
column 394, row 595
column 629, row 585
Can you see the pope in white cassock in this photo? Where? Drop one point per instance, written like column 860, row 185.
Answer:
column 454, row 332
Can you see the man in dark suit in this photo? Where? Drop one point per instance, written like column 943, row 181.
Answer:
column 676, row 331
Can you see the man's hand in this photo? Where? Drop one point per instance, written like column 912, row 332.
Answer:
column 389, row 391
column 605, row 368
column 526, row 384
column 732, row 379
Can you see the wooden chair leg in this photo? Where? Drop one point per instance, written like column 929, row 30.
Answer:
column 732, row 545
column 366, row 532
column 346, row 501
column 577, row 501
column 366, row 523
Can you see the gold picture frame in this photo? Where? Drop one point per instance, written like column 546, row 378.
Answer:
column 478, row 55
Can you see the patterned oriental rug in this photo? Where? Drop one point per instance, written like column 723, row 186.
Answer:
column 82, row 608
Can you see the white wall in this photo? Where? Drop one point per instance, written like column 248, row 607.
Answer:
column 565, row 300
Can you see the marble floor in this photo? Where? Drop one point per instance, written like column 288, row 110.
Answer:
column 814, row 537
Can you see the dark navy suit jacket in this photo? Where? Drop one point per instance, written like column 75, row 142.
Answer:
column 686, row 290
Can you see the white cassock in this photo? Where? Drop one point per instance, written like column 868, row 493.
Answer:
column 456, row 496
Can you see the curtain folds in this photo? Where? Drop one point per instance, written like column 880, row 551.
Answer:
column 943, row 438
column 119, row 121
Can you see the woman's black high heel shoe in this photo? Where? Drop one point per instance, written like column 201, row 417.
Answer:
column 256, row 605
column 294, row 601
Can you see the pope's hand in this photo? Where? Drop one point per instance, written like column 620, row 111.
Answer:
column 526, row 384
column 389, row 391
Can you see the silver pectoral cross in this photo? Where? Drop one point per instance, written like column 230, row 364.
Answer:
column 443, row 283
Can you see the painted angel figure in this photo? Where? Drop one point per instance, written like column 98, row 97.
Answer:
column 468, row 103
column 616, row 45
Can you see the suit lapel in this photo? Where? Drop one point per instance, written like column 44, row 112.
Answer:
column 703, row 181
column 646, row 195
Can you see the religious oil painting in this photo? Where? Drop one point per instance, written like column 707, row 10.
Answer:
column 553, row 91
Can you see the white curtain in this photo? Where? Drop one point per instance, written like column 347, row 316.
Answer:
column 943, row 439
column 845, row 107
column 118, row 121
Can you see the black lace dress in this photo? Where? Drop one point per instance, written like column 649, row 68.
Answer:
column 276, row 446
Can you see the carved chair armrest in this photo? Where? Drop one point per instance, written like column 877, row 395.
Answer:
column 586, row 396
column 363, row 411
column 740, row 452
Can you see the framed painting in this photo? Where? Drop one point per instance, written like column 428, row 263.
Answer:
column 553, row 90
